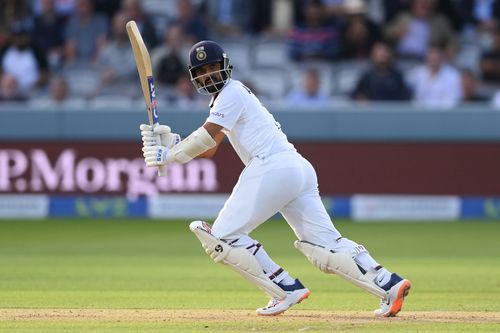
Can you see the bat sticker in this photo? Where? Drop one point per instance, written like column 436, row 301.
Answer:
column 152, row 96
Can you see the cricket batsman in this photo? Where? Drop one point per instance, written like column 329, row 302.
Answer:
column 276, row 178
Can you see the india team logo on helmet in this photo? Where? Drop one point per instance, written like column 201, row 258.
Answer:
column 204, row 53
column 201, row 54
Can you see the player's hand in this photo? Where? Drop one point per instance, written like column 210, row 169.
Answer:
column 159, row 135
column 157, row 141
column 167, row 138
column 156, row 155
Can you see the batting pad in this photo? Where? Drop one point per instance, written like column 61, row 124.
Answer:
column 342, row 264
column 239, row 259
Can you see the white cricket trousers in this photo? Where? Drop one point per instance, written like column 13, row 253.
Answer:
column 284, row 182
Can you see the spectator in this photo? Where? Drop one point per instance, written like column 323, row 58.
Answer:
column 481, row 15
column 9, row 90
column 333, row 8
column 23, row 61
column 133, row 9
column 12, row 11
column 192, row 24
column 58, row 89
column 490, row 61
column 107, row 7
column 230, row 18
column 495, row 100
column 316, row 38
column 436, row 84
column 48, row 33
column 186, row 96
column 379, row 11
column 382, row 11
column 262, row 19
column 167, row 64
column 116, row 62
column 58, row 97
column 469, row 88
column 358, row 34
column 383, row 81
column 86, row 34
column 451, row 10
column 64, row 8
column 309, row 95
column 412, row 32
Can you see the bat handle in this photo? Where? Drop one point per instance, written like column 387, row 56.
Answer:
column 162, row 169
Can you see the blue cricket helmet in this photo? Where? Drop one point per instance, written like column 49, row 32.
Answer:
column 204, row 53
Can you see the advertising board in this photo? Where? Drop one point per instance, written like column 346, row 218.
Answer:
column 117, row 168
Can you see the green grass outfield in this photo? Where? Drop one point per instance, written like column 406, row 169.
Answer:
column 153, row 276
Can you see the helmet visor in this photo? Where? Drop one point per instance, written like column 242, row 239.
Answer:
column 212, row 82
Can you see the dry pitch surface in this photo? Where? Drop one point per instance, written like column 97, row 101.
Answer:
column 208, row 316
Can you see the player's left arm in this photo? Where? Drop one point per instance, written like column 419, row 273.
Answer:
column 197, row 143
column 216, row 133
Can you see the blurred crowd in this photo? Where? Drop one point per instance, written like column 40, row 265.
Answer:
column 302, row 53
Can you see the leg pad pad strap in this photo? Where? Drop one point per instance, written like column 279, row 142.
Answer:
column 239, row 259
column 342, row 264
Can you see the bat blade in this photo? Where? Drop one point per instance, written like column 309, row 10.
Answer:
column 143, row 63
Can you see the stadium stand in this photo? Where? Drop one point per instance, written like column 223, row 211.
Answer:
column 261, row 49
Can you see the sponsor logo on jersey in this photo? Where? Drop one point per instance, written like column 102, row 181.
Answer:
column 217, row 114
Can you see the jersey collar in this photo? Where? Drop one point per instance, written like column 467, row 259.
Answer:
column 212, row 101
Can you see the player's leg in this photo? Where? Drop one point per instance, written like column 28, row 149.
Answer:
column 294, row 289
column 260, row 192
column 325, row 247
column 237, row 258
column 248, row 258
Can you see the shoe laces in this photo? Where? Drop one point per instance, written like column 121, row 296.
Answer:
column 385, row 301
column 272, row 303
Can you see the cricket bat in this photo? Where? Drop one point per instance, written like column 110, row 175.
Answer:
column 143, row 63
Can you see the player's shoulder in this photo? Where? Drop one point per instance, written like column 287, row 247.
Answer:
column 233, row 87
column 233, row 91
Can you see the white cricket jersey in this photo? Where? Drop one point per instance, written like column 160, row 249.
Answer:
column 251, row 129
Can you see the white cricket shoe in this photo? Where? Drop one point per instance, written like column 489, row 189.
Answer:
column 295, row 294
column 397, row 289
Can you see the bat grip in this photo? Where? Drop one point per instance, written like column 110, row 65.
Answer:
column 162, row 169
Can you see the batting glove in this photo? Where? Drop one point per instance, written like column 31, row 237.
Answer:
column 158, row 135
column 156, row 155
